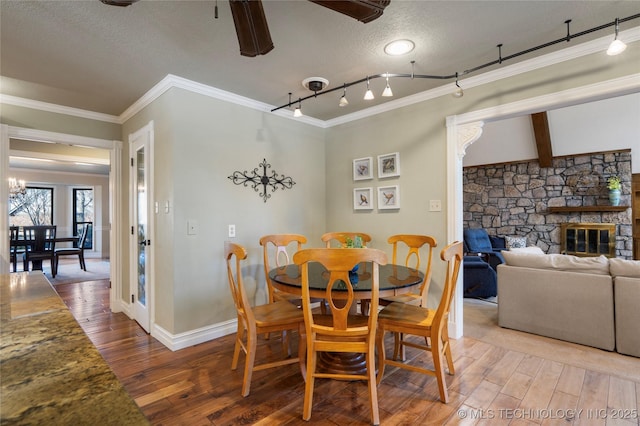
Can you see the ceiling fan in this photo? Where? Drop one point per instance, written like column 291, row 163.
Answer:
column 251, row 23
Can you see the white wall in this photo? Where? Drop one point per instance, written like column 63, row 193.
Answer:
column 604, row 125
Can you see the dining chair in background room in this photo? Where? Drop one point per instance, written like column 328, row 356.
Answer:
column 412, row 245
column 338, row 331
column 343, row 237
column 40, row 244
column 254, row 321
column 74, row 251
column 16, row 247
column 404, row 319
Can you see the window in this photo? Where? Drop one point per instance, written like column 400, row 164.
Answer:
column 34, row 207
column 83, row 213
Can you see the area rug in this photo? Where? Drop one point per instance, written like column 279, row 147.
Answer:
column 70, row 272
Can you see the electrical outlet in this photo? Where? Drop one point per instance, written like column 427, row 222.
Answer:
column 232, row 231
column 192, row 227
column 435, row 205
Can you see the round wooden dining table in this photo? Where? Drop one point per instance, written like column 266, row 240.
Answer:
column 393, row 280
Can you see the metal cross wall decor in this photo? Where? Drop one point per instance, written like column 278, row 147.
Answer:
column 254, row 179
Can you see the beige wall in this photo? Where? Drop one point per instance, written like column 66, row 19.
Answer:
column 199, row 142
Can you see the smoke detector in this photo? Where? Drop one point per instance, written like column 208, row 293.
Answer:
column 315, row 84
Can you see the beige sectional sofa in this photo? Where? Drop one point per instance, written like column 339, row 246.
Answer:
column 593, row 301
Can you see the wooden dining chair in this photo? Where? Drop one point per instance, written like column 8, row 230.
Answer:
column 275, row 254
column 16, row 248
column 74, row 251
column 339, row 331
column 404, row 319
column 342, row 237
column 412, row 245
column 254, row 321
column 40, row 244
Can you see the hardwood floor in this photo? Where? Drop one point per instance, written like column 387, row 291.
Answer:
column 502, row 377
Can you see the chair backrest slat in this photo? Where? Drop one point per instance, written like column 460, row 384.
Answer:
column 339, row 263
column 236, row 283
column 413, row 259
column 452, row 255
column 274, row 252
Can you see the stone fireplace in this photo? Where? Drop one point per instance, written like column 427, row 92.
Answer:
column 526, row 200
column 588, row 239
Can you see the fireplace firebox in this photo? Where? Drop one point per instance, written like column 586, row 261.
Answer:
column 589, row 239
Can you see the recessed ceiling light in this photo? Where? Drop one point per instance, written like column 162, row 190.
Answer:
column 399, row 47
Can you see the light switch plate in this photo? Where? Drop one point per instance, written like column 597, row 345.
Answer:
column 232, row 231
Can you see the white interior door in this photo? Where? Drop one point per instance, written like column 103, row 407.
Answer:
column 140, row 229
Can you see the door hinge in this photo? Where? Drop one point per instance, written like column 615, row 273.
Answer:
column 131, row 161
column 132, row 230
column 132, row 298
column 109, row 284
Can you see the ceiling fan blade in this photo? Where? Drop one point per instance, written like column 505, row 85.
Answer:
column 362, row 10
column 119, row 2
column 251, row 27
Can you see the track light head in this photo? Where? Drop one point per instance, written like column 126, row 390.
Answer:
column 368, row 95
column 458, row 93
column 617, row 46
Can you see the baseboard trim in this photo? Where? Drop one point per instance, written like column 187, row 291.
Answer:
column 193, row 337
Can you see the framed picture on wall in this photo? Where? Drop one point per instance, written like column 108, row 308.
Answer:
column 363, row 168
column 363, row 199
column 388, row 197
column 389, row 165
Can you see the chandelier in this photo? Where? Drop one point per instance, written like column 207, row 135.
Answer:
column 16, row 187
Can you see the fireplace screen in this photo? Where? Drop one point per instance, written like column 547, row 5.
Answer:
column 589, row 239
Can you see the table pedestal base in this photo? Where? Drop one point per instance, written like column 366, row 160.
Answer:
column 342, row 363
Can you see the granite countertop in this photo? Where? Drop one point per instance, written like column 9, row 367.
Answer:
column 50, row 371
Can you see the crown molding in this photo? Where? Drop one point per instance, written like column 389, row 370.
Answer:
column 170, row 81
column 58, row 109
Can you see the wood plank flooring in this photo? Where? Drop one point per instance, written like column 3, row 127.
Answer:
column 502, row 377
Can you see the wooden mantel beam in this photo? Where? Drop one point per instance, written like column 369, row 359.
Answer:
column 543, row 138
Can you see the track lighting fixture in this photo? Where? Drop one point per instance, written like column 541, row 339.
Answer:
column 318, row 84
column 459, row 92
column 343, row 99
column 368, row 95
column 387, row 90
column 617, row 46
column 298, row 111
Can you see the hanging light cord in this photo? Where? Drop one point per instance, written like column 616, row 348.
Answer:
column 500, row 60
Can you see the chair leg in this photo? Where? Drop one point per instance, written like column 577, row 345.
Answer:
column 236, row 350
column 373, row 388
column 436, row 352
column 309, row 385
column 249, row 361
column 381, row 354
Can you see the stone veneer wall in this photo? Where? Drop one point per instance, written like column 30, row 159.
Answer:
column 513, row 198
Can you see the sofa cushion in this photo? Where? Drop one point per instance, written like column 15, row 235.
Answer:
column 530, row 250
column 515, row 242
column 624, row 268
column 559, row 262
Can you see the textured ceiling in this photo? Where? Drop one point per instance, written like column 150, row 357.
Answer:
column 101, row 58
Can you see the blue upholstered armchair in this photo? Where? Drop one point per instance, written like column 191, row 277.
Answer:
column 478, row 241
column 480, row 280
